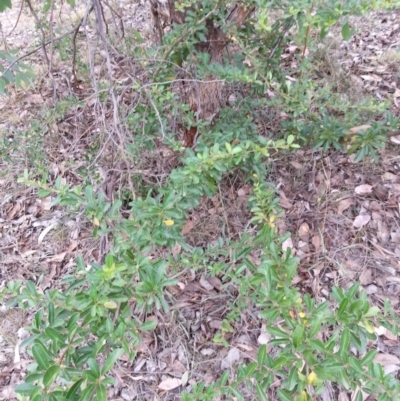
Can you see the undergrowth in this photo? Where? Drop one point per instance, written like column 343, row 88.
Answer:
column 98, row 313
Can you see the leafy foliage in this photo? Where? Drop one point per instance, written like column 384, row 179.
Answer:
column 81, row 330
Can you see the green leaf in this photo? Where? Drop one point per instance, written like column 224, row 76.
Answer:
column 346, row 31
column 74, row 389
column 54, row 335
column 149, row 325
column 5, row 4
column 369, row 357
column 86, row 394
column 344, row 342
column 359, row 396
column 290, row 139
column 41, row 356
column 111, row 359
column 94, row 367
column 262, row 353
column 293, row 378
column 43, row 193
column 342, row 306
column 298, row 336
column 373, row 311
column 261, row 393
column 284, row 395
column 224, row 378
column 24, row 388
column 51, row 375
column 101, row 394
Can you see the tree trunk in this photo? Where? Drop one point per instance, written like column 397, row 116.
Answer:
column 205, row 97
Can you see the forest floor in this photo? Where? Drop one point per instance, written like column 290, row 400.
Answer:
column 344, row 217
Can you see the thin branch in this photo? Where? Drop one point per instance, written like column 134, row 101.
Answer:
column 17, row 60
column 42, row 31
column 76, row 30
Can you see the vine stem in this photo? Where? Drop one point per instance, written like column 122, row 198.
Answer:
column 303, row 54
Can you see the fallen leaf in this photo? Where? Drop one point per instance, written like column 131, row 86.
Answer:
column 344, row 204
column 241, row 192
column 395, row 237
column 316, row 241
column 284, row 201
column 215, row 324
column 207, row 351
column 232, row 356
column 263, row 338
column 215, row 282
column 361, row 220
column 296, row 165
column 205, row 284
column 386, row 359
column 304, row 232
column 169, row 384
column 187, row 227
column 365, row 276
column 363, row 189
column 356, row 130
column 246, row 347
column 57, row 258
column 177, row 366
column 381, row 192
column 389, row 177
column 16, row 208
column 287, row 244
column 45, row 231
column 395, row 139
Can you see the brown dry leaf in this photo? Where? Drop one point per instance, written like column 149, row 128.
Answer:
column 241, row 192
column 264, row 338
column 383, row 232
column 284, row 201
column 395, row 237
column 215, row 324
column 16, row 208
column 215, row 282
column 361, row 220
column 176, row 249
column 395, row 139
column 287, row 244
column 365, row 276
column 45, row 232
column 304, row 232
column 363, row 189
column 169, row 384
column 296, row 165
column 207, row 351
column 316, row 241
column 205, row 284
column 356, row 130
column 245, row 347
column 187, row 227
column 344, row 204
column 232, row 356
column 389, row 177
column 177, row 366
column 386, row 359
column 57, row 258
column 381, row 192
column 72, row 246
